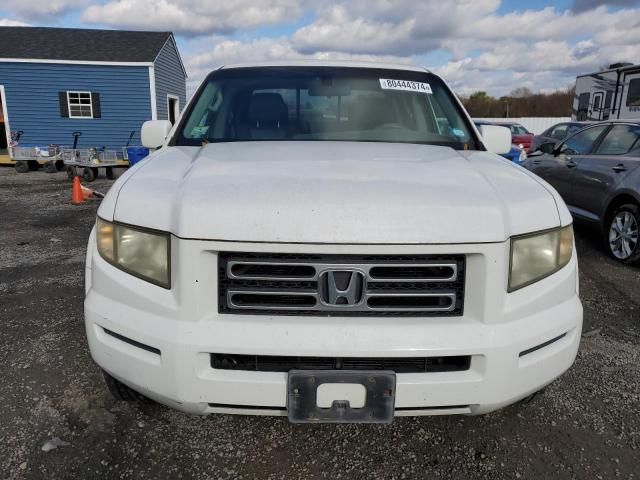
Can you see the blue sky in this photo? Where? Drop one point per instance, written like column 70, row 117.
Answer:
column 489, row 45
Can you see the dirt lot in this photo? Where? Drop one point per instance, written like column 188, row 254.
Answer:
column 587, row 425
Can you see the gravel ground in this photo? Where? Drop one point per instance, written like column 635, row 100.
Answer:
column 58, row 421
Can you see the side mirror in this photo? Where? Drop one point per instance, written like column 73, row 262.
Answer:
column 547, row 147
column 154, row 133
column 497, row 139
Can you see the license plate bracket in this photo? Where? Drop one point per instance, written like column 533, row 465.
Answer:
column 302, row 404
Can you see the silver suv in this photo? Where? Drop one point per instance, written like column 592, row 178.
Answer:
column 596, row 172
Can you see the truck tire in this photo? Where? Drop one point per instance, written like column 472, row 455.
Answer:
column 50, row 167
column 121, row 392
column 622, row 233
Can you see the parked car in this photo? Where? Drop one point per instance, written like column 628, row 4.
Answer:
column 519, row 134
column 348, row 261
column 596, row 171
column 556, row 133
column 516, row 154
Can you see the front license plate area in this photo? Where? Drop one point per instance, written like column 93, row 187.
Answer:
column 302, row 397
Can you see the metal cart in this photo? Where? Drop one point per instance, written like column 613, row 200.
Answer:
column 29, row 158
column 90, row 160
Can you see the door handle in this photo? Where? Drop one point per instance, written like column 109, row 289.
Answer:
column 571, row 164
column 619, row 168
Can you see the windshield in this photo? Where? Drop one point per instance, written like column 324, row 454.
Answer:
column 324, row 103
column 518, row 130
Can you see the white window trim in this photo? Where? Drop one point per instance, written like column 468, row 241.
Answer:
column 171, row 96
column 69, row 104
column 5, row 113
column 152, row 92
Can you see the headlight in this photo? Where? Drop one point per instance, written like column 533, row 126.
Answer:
column 140, row 252
column 536, row 256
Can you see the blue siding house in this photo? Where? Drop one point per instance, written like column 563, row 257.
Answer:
column 102, row 83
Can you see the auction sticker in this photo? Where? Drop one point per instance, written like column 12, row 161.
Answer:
column 406, row 85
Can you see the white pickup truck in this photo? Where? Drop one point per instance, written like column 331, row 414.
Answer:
column 332, row 242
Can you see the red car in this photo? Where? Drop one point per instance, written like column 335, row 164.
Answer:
column 519, row 135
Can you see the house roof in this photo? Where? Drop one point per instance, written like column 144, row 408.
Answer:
column 76, row 44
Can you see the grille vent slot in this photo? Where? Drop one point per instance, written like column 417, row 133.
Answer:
column 268, row 363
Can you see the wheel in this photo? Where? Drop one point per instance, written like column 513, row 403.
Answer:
column 59, row 165
column 71, row 172
column 121, row 392
column 88, row 175
column 22, row 167
column 109, row 173
column 623, row 235
column 50, row 167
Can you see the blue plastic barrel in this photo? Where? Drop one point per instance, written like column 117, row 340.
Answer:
column 135, row 154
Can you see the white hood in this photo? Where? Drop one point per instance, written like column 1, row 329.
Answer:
column 332, row 192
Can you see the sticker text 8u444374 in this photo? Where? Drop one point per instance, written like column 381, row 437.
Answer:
column 406, row 85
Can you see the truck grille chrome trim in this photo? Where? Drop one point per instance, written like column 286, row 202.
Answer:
column 341, row 285
column 426, row 272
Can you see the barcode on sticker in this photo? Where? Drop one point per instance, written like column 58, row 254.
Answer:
column 406, row 85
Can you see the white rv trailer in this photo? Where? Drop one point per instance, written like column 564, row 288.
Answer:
column 610, row 94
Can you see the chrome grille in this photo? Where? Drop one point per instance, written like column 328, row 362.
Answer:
column 341, row 285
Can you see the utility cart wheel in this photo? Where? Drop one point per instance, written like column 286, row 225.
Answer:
column 22, row 166
column 71, row 172
column 88, row 175
column 59, row 165
column 109, row 173
column 50, row 167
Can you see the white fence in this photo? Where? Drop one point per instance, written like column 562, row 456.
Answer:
column 533, row 124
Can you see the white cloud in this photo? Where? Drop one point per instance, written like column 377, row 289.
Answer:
column 546, row 48
column 43, row 11
column 476, row 45
column 193, row 17
column 338, row 31
column 7, row 22
column 584, row 5
column 403, row 27
column 227, row 52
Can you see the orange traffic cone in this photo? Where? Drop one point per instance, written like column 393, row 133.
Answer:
column 76, row 193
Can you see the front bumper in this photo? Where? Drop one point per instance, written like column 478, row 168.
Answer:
column 183, row 328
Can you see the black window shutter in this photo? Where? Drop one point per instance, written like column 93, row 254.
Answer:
column 95, row 105
column 64, row 106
